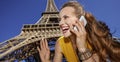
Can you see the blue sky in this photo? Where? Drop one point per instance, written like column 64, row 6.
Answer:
column 15, row 13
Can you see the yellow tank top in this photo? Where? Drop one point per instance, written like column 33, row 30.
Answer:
column 68, row 50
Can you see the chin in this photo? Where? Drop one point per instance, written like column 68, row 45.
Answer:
column 67, row 34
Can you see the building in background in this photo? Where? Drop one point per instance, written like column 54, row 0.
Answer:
column 23, row 46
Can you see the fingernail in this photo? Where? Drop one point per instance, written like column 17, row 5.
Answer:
column 42, row 39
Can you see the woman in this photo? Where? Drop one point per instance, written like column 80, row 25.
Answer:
column 92, row 42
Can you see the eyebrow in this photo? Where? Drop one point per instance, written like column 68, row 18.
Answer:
column 65, row 16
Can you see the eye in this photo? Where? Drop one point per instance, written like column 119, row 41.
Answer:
column 65, row 16
column 59, row 19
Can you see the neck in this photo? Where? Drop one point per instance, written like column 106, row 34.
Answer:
column 73, row 39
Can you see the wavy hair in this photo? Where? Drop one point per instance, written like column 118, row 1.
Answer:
column 98, row 35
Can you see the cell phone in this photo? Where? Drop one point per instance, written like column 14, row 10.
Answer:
column 82, row 18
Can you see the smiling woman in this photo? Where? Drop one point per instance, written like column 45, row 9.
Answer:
column 13, row 14
column 90, row 43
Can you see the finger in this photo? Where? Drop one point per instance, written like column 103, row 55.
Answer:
column 46, row 44
column 41, row 44
column 71, row 26
column 38, row 48
column 80, row 27
column 73, row 30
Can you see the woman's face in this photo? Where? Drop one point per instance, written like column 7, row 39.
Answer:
column 68, row 18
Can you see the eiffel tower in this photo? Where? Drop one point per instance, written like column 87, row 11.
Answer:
column 24, row 44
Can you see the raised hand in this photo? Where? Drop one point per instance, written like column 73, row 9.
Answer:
column 44, row 51
column 80, row 34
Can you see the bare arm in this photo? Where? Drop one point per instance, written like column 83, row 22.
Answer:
column 93, row 58
column 58, row 53
column 81, row 34
column 44, row 51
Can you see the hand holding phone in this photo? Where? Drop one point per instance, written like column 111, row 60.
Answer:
column 82, row 18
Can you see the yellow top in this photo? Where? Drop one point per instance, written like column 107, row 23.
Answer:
column 68, row 50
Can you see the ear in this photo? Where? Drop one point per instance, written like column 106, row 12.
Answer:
column 82, row 18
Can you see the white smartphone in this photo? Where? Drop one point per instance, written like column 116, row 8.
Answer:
column 82, row 18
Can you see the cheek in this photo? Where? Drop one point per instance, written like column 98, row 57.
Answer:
column 71, row 21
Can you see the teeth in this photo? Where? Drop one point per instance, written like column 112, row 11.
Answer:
column 63, row 28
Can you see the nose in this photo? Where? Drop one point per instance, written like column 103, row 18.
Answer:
column 62, row 22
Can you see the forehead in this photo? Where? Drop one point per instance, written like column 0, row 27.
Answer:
column 67, row 11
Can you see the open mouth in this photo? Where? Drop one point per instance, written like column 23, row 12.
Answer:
column 65, row 29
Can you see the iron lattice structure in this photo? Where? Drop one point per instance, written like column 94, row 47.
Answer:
column 24, row 44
